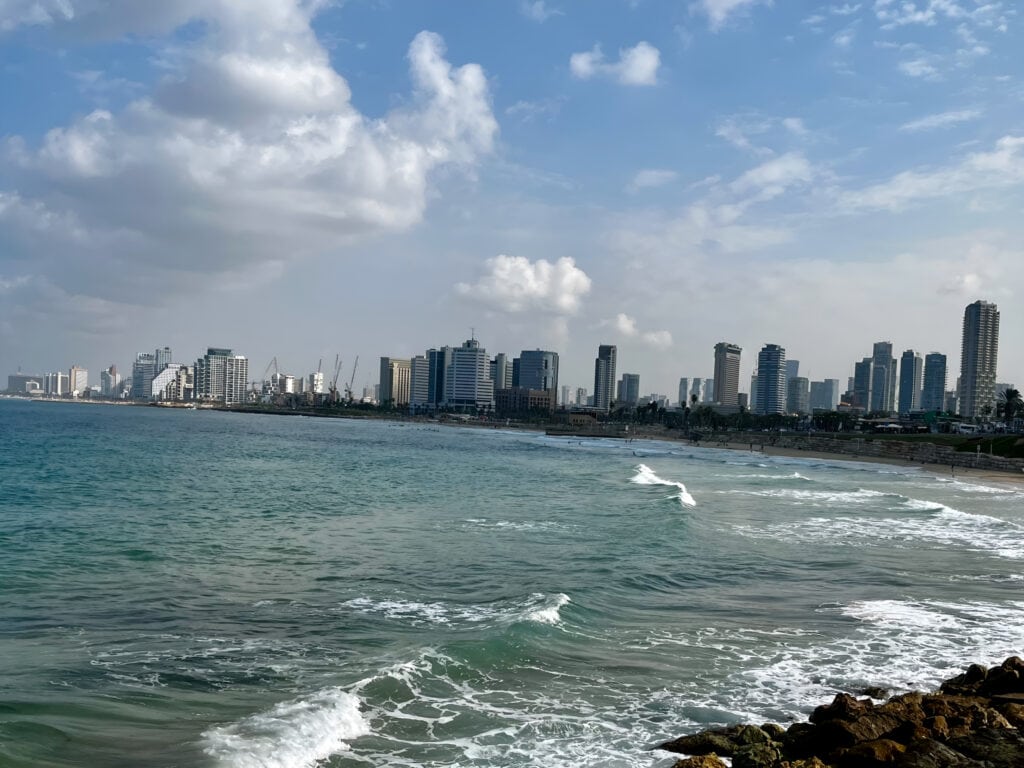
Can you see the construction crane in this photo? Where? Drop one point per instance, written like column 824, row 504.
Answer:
column 334, row 379
column 352, row 378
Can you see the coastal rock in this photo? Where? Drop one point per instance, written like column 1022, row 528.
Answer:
column 721, row 741
column 971, row 723
column 700, row 761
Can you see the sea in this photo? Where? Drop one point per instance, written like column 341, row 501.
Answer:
column 227, row 590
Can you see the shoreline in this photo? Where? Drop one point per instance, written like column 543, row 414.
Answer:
column 942, row 470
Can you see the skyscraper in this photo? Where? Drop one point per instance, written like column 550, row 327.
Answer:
column 727, row 373
column 910, row 382
column 862, row 378
column 110, row 382
column 467, row 380
column 883, row 377
column 629, row 389
column 438, row 361
column 933, row 392
column 162, row 358
column 798, row 398
column 824, row 395
column 395, row 374
column 684, row 392
column 220, row 376
column 419, row 383
column 501, row 371
column 538, row 369
column 78, row 379
column 143, row 372
column 978, row 357
column 771, row 379
column 604, row 376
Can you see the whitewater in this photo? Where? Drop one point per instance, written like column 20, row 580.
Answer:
column 242, row 591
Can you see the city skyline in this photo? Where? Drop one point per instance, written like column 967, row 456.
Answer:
column 865, row 164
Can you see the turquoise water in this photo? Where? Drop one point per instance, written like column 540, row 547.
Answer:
column 207, row 589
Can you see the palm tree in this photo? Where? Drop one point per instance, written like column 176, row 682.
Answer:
column 1010, row 403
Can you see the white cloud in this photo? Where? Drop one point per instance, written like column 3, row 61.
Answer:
column 538, row 10
column 846, row 9
column 738, row 130
column 1002, row 167
column 844, row 38
column 515, row 284
column 795, row 126
column 942, row 120
column 636, row 66
column 651, row 177
column 528, row 111
column 248, row 154
column 627, row 326
column 719, row 11
column 14, row 13
column 772, row 178
column 921, row 67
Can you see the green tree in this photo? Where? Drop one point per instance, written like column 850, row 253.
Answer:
column 1010, row 404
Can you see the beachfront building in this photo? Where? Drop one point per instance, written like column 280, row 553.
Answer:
column 604, row 376
column 110, row 382
column 911, row 370
column 502, row 371
column 883, row 378
column 467, row 380
column 395, row 374
column 78, row 381
column 629, row 389
column 862, row 378
column 727, row 373
column 798, row 396
column 933, row 390
column 438, row 361
column 978, row 355
column 538, row 369
column 771, row 380
column 419, row 384
column 220, row 376
column 753, row 392
column 143, row 372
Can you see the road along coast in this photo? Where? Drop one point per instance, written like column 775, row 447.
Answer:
column 975, row 720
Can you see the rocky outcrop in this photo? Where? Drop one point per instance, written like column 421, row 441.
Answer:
column 972, row 722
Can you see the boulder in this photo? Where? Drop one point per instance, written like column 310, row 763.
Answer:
column 870, row 754
column 1000, row 747
column 700, row 761
column 721, row 741
column 933, row 754
column 765, row 755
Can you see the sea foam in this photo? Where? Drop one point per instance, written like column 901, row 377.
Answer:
column 646, row 476
column 293, row 734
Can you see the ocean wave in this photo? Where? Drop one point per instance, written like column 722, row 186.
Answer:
column 859, row 496
column 538, row 608
column 646, row 476
column 293, row 734
column 791, row 476
column 943, row 525
column 517, row 525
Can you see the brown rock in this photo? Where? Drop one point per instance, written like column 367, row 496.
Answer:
column 719, row 742
column 701, row 761
column 869, row 754
column 774, row 730
column 811, row 762
column 843, row 707
column 1000, row 747
column 757, row 756
column 932, row 754
column 1014, row 714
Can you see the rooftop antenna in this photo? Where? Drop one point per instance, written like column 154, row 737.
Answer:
column 472, row 333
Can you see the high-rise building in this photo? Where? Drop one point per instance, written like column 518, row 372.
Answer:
column 165, row 384
column 684, row 392
column 792, row 369
column 629, row 389
column 565, row 396
column 219, row 376
column 911, row 369
column 162, row 358
column 438, row 361
column 727, row 373
column 316, row 383
column 419, row 384
column 467, row 381
column 771, row 379
column 697, row 388
column 581, row 397
column 978, row 358
column 753, row 392
column 501, row 371
column 604, row 376
column 709, row 391
column 883, row 378
column 934, row 387
column 824, row 395
column 143, row 372
column 395, row 374
column 78, row 380
column 950, row 402
column 538, row 369
column 863, row 375
column 110, row 382
column 798, row 398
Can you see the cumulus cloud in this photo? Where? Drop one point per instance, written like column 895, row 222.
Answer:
column 1002, row 167
column 248, row 154
column 719, row 11
column 942, row 120
column 538, row 10
column 651, row 177
column 516, row 284
column 627, row 326
column 636, row 66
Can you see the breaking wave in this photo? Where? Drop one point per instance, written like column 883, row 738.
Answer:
column 646, row 476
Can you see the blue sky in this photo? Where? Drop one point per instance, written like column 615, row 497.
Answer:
column 300, row 177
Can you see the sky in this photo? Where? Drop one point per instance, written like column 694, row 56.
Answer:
column 303, row 178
